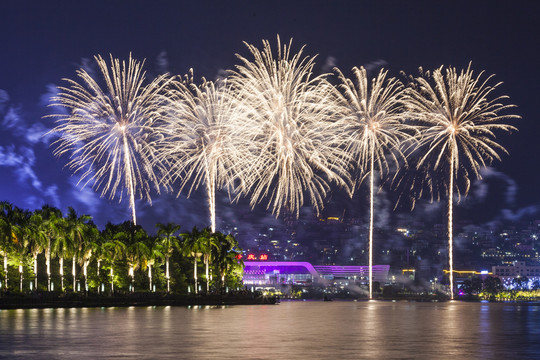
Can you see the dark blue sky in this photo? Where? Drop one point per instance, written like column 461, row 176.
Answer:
column 41, row 43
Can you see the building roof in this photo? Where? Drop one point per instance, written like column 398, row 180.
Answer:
column 303, row 267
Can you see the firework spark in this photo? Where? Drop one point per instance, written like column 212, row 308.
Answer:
column 109, row 132
column 203, row 138
column 292, row 129
column 374, row 129
column 458, row 121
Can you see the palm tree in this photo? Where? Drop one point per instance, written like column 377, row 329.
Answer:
column 50, row 227
column 38, row 242
column 458, row 119
column 169, row 242
column 76, row 229
column 133, row 236
column 21, row 239
column 8, row 230
column 232, row 268
column 99, row 253
column 113, row 250
column 61, row 247
column 208, row 246
column 155, row 252
column 136, row 254
column 374, row 129
column 90, row 248
column 225, row 254
column 192, row 247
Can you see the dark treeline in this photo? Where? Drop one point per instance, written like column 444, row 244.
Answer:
column 45, row 250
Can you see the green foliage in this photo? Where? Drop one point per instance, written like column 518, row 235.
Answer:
column 492, row 285
column 27, row 236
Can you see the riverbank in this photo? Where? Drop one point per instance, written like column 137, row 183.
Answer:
column 70, row 300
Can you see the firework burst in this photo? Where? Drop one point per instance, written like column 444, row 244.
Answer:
column 374, row 129
column 203, row 140
column 290, row 127
column 109, row 131
column 458, row 121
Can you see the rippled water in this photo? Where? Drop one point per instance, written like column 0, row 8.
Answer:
column 290, row 330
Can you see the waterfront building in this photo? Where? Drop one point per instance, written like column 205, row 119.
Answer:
column 271, row 273
column 518, row 269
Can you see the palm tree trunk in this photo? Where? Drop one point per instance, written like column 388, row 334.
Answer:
column 371, row 226
column 132, row 274
column 167, row 274
column 5, row 270
column 450, row 235
column 21, row 276
column 62, row 273
column 73, row 270
column 99, row 286
column 35, row 273
column 85, row 271
column 112, row 281
column 150, row 276
column 48, row 264
column 195, row 275
column 206, row 262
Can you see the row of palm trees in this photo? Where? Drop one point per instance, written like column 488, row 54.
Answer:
column 124, row 254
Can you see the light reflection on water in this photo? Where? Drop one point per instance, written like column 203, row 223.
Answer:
column 291, row 330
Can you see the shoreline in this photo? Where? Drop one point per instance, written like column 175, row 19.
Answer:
column 46, row 300
column 55, row 301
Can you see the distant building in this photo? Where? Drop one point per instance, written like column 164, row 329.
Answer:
column 508, row 273
column 273, row 273
column 518, row 268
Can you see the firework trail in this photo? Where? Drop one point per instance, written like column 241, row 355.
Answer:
column 203, row 140
column 458, row 121
column 374, row 129
column 110, row 131
column 291, row 129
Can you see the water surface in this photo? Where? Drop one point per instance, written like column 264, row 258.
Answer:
column 290, row 330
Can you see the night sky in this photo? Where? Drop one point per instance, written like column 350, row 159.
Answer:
column 42, row 43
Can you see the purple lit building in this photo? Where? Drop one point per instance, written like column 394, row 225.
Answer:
column 269, row 273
